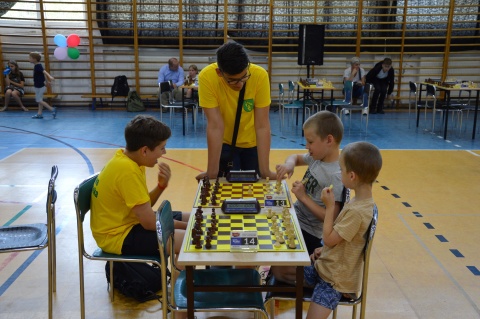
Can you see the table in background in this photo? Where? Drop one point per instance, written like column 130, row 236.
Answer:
column 307, row 93
column 298, row 258
column 447, row 91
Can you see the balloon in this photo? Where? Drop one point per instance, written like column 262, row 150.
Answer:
column 60, row 53
column 73, row 53
column 60, row 40
column 73, row 40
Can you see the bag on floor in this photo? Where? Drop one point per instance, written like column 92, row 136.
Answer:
column 134, row 102
column 120, row 86
column 136, row 280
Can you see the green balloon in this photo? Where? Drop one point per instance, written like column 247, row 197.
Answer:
column 73, row 53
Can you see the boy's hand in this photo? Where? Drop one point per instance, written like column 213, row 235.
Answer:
column 327, row 196
column 284, row 169
column 164, row 174
column 316, row 254
column 299, row 190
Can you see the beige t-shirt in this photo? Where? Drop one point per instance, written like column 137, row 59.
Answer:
column 342, row 265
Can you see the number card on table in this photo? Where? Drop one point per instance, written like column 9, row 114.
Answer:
column 243, row 241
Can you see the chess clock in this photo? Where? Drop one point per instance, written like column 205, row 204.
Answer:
column 242, row 176
column 241, row 206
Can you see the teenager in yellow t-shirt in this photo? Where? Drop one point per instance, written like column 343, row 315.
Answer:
column 219, row 88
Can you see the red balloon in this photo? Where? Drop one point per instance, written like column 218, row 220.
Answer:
column 73, row 40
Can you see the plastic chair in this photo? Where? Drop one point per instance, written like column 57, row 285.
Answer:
column 347, row 101
column 81, row 196
column 176, row 300
column 413, row 98
column 353, row 302
column 28, row 237
column 367, row 93
column 289, row 105
column 188, row 104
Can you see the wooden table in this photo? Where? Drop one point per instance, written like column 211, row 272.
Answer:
column 292, row 257
column 447, row 91
column 308, row 90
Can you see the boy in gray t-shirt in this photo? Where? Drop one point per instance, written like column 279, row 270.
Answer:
column 323, row 135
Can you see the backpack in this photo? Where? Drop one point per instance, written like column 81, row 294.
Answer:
column 120, row 86
column 136, row 280
column 134, row 102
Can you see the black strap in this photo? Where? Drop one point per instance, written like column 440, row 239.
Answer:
column 237, row 117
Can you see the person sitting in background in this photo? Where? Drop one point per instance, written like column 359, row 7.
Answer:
column 191, row 79
column 14, row 86
column 382, row 76
column 356, row 74
column 173, row 72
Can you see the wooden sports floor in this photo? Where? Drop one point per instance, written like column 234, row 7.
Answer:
column 425, row 261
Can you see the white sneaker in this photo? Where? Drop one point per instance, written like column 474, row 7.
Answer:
column 346, row 112
column 365, row 111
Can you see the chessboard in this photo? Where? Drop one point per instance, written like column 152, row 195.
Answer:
column 211, row 232
column 212, row 194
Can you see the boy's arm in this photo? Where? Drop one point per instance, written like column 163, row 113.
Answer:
column 330, row 236
column 148, row 220
column 49, row 77
column 318, row 211
column 289, row 166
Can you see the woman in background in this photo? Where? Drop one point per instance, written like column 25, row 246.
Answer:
column 14, row 83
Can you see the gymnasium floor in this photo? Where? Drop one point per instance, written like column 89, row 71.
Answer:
column 424, row 262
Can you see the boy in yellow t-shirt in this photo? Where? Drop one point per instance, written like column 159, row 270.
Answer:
column 122, row 220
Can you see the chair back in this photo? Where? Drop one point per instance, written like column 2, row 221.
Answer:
column 165, row 231
column 291, row 92
column 431, row 90
column 52, row 193
column 281, row 95
column 413, row 87
column 348, row 89
column 366, row 257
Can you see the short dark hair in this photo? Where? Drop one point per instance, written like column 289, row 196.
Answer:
column 364, row 159
column 145, row 130
column 325, row 123
column 36, row 56
column 232, row 58
column 387, row 61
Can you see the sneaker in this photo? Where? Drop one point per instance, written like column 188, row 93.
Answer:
column 54, row 112
column 37, row 116
column 365, row 111
column 346, row 112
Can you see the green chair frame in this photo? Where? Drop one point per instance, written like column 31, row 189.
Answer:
column 82, row 198
column 176, row 300
column 28, row 237
column 353, row 302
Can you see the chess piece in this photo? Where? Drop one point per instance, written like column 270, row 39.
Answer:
column 277, row 245
column 291, row 243
column 269, row 213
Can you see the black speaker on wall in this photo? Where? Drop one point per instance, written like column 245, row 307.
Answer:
column 311, row 42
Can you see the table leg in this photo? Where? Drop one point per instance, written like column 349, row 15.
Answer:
column 303, row 110
column 419, row 103
column 475, row 116
column 331, row 102
column 190, row 292
column 184, row 111
column 299, row 293
column 94, row 102
column 446, row 115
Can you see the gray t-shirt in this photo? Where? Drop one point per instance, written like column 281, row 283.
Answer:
column 318, row 176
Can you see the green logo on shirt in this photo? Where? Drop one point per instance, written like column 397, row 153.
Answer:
column 248, row 105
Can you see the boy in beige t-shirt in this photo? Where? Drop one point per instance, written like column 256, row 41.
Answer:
column 338, row 264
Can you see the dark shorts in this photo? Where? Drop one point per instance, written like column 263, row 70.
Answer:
column 239, row 159
column 323, row 292
column 140, row 241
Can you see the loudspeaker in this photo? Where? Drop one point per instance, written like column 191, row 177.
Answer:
column 311, row 41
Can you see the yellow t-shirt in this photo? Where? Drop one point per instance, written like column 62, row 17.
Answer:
column 119, row 187
column 213, row 91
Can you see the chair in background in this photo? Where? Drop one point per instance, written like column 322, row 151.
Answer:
column 367, row 94
column 288, row 105
column 176, row 299
column 81, row 198
column 171, row 105
column 441, row 107
column 413, row 99
column 345, row 301
column 347, row 101
column 28, row 237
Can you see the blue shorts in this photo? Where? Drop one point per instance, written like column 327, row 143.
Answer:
column 323, row 292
